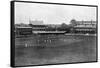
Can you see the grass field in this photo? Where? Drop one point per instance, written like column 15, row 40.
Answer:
column 51, row 49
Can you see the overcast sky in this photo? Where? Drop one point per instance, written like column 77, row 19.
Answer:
column 52, row 14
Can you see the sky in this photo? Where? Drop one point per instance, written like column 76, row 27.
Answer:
column 51, row 13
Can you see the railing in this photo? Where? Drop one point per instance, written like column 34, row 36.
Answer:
column 37, row 32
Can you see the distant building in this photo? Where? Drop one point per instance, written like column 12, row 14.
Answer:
column 84, row 26
column 23, row 29
column 36, row 22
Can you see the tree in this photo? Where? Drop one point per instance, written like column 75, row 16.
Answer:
column 63, row 25
column 73, row 22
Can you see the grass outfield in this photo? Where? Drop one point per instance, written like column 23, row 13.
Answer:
column 49, row 49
